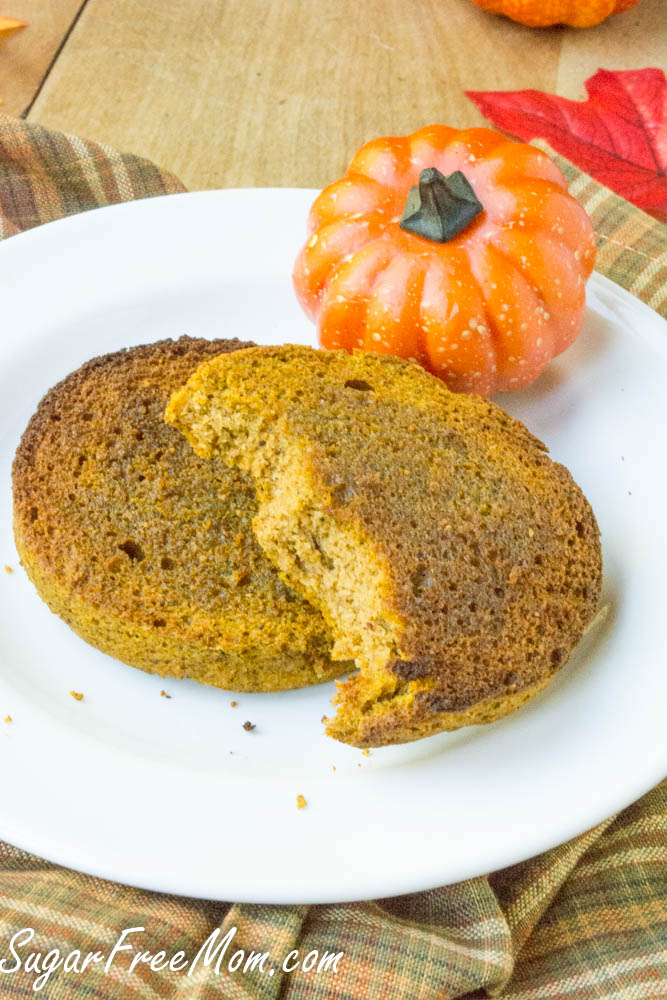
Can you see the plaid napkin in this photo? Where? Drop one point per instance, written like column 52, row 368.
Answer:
column 585, row 920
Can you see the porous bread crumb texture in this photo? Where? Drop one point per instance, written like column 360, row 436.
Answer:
column 145, row 550
column 451, row 558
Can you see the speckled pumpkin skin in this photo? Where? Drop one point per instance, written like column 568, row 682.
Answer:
column 486, row 311
column 543, row 13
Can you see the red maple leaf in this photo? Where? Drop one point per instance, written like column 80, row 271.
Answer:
column 618, row 135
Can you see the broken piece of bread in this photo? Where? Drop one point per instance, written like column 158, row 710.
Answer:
column 451, row 558
column 141, row 547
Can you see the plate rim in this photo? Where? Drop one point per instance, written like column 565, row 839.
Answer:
column 35, row 843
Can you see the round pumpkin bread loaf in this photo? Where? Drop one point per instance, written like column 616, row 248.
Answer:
column 452, row 559
column 143, row 548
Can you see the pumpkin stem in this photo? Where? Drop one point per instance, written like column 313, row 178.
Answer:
column 440, row 207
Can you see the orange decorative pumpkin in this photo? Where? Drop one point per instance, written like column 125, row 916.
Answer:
column 9, row 26
column 542, row 13
column 480, row 276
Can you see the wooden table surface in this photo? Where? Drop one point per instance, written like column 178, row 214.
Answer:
column 229, row 93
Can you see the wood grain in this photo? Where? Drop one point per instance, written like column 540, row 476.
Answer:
column 281, row 92
column 26, row 57
column 629, row 41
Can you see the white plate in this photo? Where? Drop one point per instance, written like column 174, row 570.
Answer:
column 173, row 794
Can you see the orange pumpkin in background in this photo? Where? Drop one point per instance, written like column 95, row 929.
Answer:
column 460, row 249
column 9, row 26
column 543, row 13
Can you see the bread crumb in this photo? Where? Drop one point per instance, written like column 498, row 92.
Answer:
column 9, row 719
column 77, row 695
column 233, row 704
column 301, row 802
column 366, row 752
column 248, row 726
column 333, row 766
column 163, row 694
column 8, row 569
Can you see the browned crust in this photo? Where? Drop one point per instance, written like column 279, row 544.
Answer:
column 111, row 509
column 492, row 553
column 416, row 718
